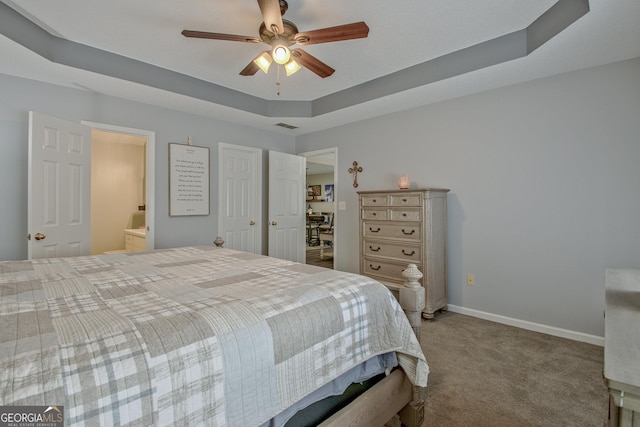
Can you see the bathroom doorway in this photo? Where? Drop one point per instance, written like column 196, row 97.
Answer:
column 122, row 189
column 321, row 205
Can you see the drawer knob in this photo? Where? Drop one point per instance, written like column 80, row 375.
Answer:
column 404, row 200
column 404, row 214
column 374, row 250
column 408, row 234
column 375, row 231
column 411, row 254
column 373, row 213
column 375, row 268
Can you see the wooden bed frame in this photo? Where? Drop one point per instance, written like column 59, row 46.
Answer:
column 394, row 394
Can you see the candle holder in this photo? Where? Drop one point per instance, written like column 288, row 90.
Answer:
column 403, row 182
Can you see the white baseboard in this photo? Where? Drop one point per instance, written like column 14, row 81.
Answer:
column 536, row 327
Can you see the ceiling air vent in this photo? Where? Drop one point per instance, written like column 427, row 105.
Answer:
column 287, row 126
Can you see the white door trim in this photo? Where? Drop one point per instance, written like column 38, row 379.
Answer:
column 150, row 189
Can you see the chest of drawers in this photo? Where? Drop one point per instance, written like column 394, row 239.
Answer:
column 399, row 227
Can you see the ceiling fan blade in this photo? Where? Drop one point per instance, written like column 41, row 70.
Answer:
column 250, row 69
column 312, row 63
column 220, row 36
column 357, row 30
column 271, row 14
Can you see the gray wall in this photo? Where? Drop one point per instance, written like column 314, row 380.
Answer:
column 21, row 95
column 544, row 180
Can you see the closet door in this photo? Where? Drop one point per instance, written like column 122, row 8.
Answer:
column 239, row 215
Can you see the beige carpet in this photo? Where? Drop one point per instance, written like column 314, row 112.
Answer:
column 488, row 374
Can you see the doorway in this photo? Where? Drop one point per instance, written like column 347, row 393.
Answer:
column 321, row 185
column 122, row 189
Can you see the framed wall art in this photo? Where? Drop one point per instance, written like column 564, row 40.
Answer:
column 188, row 180
column 328, row 192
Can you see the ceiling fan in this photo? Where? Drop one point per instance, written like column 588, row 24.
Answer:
column 280, row 34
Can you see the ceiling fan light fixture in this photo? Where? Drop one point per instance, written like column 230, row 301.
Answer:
column 280, row 34
column 281, row 54
column 291, row 67
column 263, row 61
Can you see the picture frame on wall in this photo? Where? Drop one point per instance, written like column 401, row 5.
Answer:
column 188, row 180
column 313, row 191
column 328, row 193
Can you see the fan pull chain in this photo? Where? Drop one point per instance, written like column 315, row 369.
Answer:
column 278, row 80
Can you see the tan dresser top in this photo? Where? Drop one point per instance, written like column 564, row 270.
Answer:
column 409, row 190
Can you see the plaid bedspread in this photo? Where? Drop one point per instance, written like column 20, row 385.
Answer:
column 187, row 336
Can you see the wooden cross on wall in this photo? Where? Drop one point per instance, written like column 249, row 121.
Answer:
column 355, row 170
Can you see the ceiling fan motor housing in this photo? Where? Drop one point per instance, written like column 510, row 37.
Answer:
column 287, row 38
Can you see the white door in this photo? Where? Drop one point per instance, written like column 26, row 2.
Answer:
column 59, row 188
column 239, row 214
column 286, row 206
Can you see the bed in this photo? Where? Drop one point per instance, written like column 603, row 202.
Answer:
column 203, row 336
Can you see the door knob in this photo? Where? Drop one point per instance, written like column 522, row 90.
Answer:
column 40, row 236
column 274, row 223
column 252, row 223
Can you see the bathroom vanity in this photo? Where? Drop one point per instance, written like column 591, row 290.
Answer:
column 135, row 240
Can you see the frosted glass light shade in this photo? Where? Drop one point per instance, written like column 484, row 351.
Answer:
column 263, row 61
column 281, row 54
column 291, row 67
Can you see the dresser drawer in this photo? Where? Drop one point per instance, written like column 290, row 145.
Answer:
column 376, row 230
column 384, row 269
column 402, row 252
column 381, row 214
column 375, row 200
column 411, row 199
column 398, row 214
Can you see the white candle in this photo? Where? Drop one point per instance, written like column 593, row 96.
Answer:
column 403, row 182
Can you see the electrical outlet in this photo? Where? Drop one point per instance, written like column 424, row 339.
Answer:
column 471, row 279
column 342, row 206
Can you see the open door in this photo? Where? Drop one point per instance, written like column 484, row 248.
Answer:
column 286, row 206
column 59, row 188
